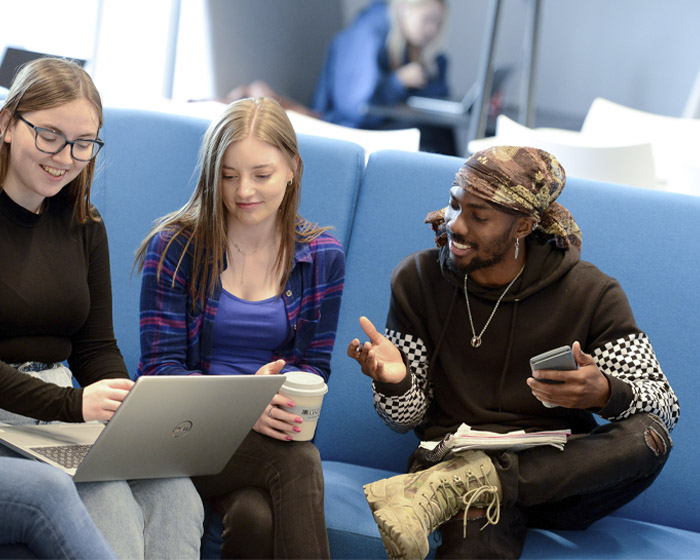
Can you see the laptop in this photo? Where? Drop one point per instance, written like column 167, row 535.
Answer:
column 14, row 58
column 167, row 426
column 440, row 112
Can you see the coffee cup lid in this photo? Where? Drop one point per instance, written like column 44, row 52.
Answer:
column 304, row 383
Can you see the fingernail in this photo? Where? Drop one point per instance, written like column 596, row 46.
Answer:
column 298, row 420
column 290, row 404
column 297, row 429
column 289, row 438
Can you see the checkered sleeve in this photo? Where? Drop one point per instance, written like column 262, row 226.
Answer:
column 632, row 360
column 405, row 412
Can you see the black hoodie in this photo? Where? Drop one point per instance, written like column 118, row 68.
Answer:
column 557, row 300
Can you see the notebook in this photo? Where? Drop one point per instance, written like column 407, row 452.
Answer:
column 167, row 426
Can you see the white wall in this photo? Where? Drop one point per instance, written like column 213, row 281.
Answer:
column 33, row 26
column 642, row 53
column 128, row 57
column 280, row 41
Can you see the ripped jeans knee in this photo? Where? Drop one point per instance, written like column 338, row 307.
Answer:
column 657, row 436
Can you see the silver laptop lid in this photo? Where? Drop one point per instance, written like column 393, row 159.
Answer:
column 168, row 426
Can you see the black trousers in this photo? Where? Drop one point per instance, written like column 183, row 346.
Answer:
column 270, row 496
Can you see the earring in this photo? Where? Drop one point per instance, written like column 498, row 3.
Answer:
column 517, row 247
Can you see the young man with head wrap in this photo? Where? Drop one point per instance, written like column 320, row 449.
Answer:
column 506, row 283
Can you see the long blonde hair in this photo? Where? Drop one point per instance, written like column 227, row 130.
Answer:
column 201, row 222
column 46, row 83
column 396, row 43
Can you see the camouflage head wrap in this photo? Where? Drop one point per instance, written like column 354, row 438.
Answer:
column 525, row 180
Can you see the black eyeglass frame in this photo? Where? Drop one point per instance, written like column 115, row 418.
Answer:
column 66, row 142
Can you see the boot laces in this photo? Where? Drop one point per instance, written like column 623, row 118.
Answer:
column 484, row 493
column 450, row 496
column 444, row 502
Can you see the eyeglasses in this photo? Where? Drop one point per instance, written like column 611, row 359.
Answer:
column 51, row 142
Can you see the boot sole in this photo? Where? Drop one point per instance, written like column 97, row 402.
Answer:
column 399, row 545
column 376, row 503
column 376, row 498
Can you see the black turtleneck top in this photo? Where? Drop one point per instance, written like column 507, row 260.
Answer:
column 55, row 305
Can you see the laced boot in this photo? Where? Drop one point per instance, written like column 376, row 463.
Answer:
column 409, row 507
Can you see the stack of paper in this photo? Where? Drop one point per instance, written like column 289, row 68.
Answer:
column 466, row 438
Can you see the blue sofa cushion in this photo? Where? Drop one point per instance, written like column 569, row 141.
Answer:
column 613, row 537
column 352, row 532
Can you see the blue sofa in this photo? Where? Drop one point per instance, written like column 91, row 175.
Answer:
column 646, row 239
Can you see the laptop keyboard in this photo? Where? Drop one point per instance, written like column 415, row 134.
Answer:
column 68, row 456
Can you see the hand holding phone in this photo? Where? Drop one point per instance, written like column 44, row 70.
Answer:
column 559, row 359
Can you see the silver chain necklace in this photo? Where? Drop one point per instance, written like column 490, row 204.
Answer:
column 246, row 255
column 476, row 340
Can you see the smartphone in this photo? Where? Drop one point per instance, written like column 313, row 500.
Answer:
column 561, row 359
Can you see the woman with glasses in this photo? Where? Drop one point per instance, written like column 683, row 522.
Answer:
column 237, row 283
column 56, row 301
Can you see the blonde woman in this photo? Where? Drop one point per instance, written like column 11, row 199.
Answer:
column 389, row 52
column 56, row 301
column 237, row 283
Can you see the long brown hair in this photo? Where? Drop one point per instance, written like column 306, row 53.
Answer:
column 201, row 222
column 396, row 43
column 46, row 83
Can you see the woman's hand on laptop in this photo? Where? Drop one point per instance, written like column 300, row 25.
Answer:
column 102, row 398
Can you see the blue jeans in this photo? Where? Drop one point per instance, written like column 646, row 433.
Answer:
column 152, row 518
column 39, row 506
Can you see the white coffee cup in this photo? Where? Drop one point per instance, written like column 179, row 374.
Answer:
column 307, row 391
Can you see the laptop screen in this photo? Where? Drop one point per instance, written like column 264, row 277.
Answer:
column 14, row 58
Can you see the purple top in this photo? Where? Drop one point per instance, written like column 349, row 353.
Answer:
column 246, row 334
column 176, row 332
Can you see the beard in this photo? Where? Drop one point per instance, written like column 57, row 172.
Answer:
column 483, row 259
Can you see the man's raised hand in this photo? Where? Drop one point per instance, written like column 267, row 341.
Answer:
column 379, row 358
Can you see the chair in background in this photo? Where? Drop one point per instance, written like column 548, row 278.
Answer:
column 615, row 162
column 692, row 106
column 674, row 140
column 684, row 176
column 405, row 139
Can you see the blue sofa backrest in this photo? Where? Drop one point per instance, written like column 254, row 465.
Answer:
column 147, row 169
column 648, row 240
column 398, row 190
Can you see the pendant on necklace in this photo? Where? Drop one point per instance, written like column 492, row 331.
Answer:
column 476, row 341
